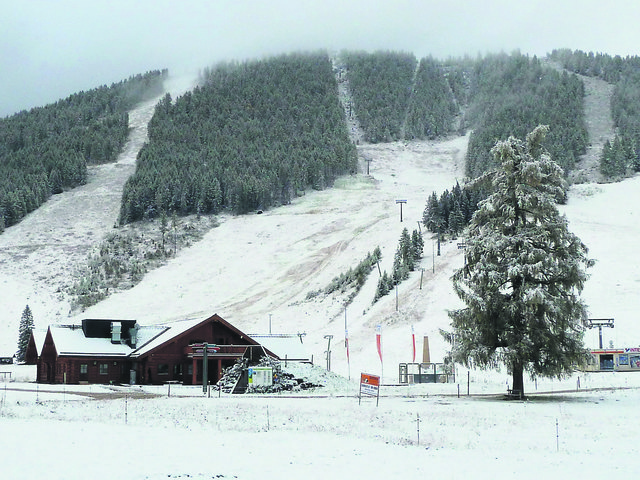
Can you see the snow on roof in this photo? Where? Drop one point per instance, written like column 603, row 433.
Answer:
column 163, row 333
column 289, row 346
column 148, row 333
column 70, row 340
column 38, row 338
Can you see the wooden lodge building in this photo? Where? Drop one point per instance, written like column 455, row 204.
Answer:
column 122, row 351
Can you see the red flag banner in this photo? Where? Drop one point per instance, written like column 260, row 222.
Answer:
column 379, row 341
column 413, row 341
column 346, row 342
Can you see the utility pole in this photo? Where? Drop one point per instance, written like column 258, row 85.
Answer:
column 205, row 367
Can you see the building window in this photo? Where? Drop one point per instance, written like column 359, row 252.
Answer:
column 163, row 369
column 177, row 370
column 104, row 369
column 190, row 369
column 84, row 369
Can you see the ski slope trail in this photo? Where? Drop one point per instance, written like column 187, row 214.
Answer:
column 600, row 126
column 39, row 255
column 254, row 266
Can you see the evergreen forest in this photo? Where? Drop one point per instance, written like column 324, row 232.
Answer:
column 509, row 95
column 397, row 98
column 258, row 133
column 47, row 149
column 620, row 157
column 451, row 212
column 252, row 135
column 432, row 107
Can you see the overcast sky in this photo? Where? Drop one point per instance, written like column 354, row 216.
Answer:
column 51, row 49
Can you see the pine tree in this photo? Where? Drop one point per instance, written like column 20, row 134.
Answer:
column 400, row 270
column 432, row 217
column 407, row 257
column 24, row 333
column 385, row 284
column 524, row 272
column 417, row 245
column 456, row 220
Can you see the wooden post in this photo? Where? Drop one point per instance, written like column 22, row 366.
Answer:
column 205, row 367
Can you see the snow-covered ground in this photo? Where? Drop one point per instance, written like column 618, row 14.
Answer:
column 257, row 268
column 421, row 431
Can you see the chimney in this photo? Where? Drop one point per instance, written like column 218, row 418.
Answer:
column 116, row 329
column 133, row 336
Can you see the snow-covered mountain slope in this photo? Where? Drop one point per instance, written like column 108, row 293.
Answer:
column 257, row 270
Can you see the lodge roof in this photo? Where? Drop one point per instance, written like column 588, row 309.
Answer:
column 164, row 333
column 38, row 339
column 82, row 340
column 71, row 340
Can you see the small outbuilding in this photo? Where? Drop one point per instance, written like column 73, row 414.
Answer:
column 6, row 358
column 122, row 351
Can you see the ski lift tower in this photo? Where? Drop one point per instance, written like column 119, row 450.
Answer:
column 600, row 322
column 401, row 202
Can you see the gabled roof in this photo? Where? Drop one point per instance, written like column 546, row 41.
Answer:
column 71, row 340
column 38, row 339
column 176, row 330
column 165, row 333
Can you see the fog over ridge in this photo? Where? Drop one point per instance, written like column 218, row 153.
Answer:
column 50, row 50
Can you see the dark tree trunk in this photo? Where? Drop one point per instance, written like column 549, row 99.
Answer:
column 518, row 379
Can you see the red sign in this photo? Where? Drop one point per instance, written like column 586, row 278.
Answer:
column 369, row 384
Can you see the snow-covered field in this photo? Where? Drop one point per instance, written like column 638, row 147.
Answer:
column 422, row 431
column 257, row 267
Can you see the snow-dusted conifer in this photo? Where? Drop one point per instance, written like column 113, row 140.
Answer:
column 417, row 245
column 24, row 333
column 524, row 271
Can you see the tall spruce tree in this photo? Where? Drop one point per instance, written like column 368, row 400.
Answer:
column 24, row 333
column 524, row 272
